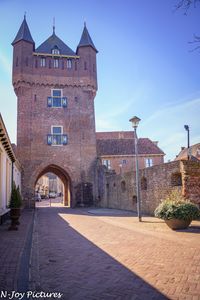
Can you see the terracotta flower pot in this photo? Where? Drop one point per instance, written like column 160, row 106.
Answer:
column 178, row 224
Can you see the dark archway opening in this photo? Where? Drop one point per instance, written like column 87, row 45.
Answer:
column 53, row 182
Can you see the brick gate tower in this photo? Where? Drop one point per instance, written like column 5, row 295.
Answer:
column 55, row 90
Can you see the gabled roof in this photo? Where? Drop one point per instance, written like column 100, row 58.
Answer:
column 126, row 147
column 23, row 33
column 194, row 152
column 55, row 42
column 86, row 39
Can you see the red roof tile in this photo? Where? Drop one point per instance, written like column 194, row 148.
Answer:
column 126, row 147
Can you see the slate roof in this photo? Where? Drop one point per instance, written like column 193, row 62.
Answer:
column 126, row 147
column 51, row 42
column 86, row 39
column 23, row 33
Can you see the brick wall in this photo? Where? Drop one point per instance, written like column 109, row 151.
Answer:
column 118, row 191
column 75, row 162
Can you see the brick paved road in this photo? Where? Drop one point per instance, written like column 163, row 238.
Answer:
column 13, row 251
column 87, row 256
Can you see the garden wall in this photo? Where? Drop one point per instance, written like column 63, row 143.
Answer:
column 118, row 191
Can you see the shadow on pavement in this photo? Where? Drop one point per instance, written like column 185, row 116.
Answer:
column 71, row 264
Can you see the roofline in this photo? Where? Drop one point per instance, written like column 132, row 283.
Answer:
column 130, row 155
column 79, row 46
column 15, row 42
column 9, row 150
column 55, row 55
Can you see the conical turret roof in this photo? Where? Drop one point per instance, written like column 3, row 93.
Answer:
column 86, row 39
column 54, row 42
column 23, row 33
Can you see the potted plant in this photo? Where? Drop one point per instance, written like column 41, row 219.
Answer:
column 176, row 211
column 15, row 205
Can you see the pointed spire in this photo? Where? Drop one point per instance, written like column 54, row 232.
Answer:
column 23, row 33
column 86, row 39
column 53, row 25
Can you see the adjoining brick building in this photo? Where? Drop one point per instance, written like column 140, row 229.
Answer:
column 117, row 151
column 55, row 88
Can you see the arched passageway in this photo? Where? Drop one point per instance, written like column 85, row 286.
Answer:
column 65, row 179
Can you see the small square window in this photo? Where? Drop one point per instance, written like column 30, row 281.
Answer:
column 106, row 162
column 56, row 93
column 148, row 162
column 56, row 130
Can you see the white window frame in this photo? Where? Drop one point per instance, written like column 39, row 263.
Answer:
column 61, row 96
column 52, row 126
column 56, row 63
column 69, row 63
column 107, row 163
column 55, row 51
column 148, row 162
column 42, row 62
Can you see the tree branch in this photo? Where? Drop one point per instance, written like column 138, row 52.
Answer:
column 186, row 5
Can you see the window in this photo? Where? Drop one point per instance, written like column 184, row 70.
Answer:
column 148, row 162
column 106, row 162
column 36, row 63
column 56, row 132
column 85, row 65
column 17, row 62
column 42, row 62
column 57, row 137
column 124, row 161
column 55, row 50
column 56, row 99
column 75, row 65
column 56, row 63
column 26, row 61
column 69, row 63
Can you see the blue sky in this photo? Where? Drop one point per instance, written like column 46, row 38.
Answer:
column 145, row 66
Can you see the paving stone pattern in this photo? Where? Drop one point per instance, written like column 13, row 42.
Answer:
column 12, row 244
column 88, row 256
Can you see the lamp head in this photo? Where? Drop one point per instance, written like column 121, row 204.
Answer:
column 186, row 127
column 135, row 121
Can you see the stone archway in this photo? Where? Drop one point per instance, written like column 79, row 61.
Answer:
column 65, row 178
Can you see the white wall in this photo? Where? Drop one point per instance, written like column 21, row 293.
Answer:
column 6, row 178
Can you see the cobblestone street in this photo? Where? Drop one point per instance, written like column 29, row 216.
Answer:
column 102, row 255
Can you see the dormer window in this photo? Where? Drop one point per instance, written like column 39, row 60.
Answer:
column 55, row 50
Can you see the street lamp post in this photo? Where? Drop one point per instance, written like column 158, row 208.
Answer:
column 188, row 140
column 135, row 121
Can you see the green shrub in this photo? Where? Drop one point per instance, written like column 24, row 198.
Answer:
column 15, row 199
column 175, row 206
